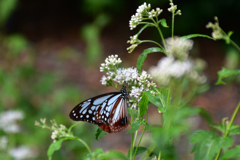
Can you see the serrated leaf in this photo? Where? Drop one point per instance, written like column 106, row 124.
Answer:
column 140, row 150
column 99, row 133
column 196, row 35
column 143, row 104
column 57, row 145
column 207, row 144
column 135, row 125
column 224, row 73
column 144, row 54
column 234, row 130
column 163, row 23
column 233, row 153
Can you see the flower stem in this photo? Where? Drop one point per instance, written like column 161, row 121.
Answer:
column 152, row 42
column 85, row 144
column 232, row 119
column 132, row 142
column 229, row 126
column 141, row 136
column 235, row 45
column 173, row 23
column 160, row 32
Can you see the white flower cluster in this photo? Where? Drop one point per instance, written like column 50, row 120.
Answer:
column 217, row 31
column 129, row 76
column 178, row 47
column 134, row 41
column 110, row 63
column 168, row 68
column 8, row 121
column 58, row 132
column 143, row 11
column 173, row 8
column 154, row 13
column 22, row 153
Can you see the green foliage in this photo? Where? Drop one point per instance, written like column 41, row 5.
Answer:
column 163, row 23
column 99, row 133
column 233, row 153
column 196, row 35
column 138, row 150
column 225, row 73
column 207, row 144
column 135, row 125
column 143, row 56
column 143, row 105
column 57, row 145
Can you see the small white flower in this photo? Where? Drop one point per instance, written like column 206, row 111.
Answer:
column 173, row 8
column 136, row 93
column 110, row 63
column 143, row 12
column 8, row 121
column 54, row 135
column 104, row 80
column 22, row 153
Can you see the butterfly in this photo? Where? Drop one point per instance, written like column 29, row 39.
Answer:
column 109, row 111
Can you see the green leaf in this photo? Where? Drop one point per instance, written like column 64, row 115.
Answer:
column 230, row 33
column 135, row 125
column 196, row 35
column 132, row 112
column 235, row 131
column 154, row 99
column 143, row 104
column 99, row 133
column 224, row 73
column 57, row 145
column 144, row 54
column 140, row 150
column 113, row 155
column 97, row 153
column 163, row 23
column 207, row 144
column 206, row 115
column 233, row 153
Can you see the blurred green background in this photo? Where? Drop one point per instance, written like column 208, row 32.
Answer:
column 50, row 54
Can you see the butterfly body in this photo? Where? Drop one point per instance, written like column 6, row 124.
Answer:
column 108, row 111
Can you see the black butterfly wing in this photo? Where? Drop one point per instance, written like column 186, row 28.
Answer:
column 95, row 110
